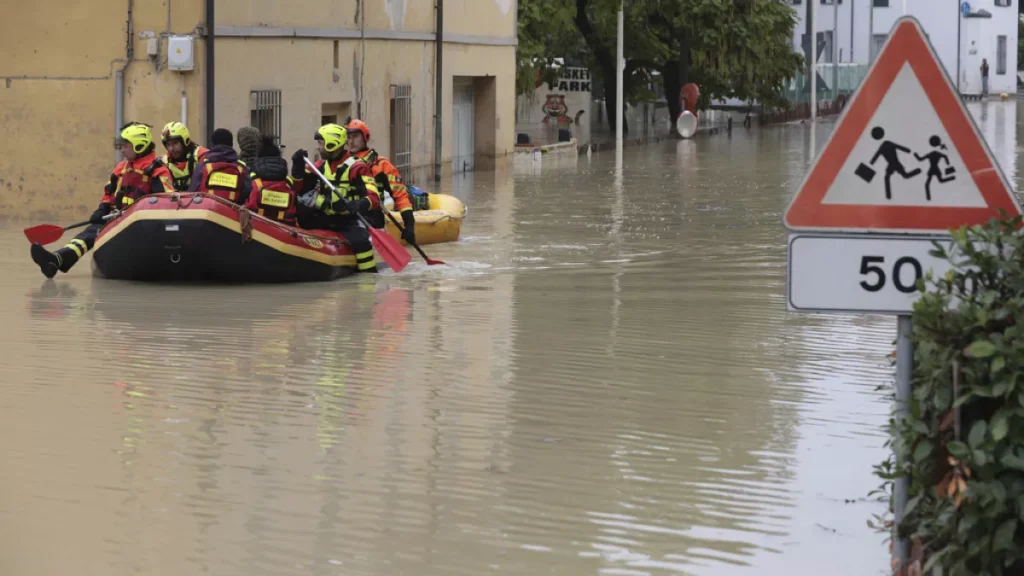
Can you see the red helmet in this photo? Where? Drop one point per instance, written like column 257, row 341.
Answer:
column 360, row 126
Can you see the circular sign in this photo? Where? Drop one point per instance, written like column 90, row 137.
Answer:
column 686, row 124
column 965, row 8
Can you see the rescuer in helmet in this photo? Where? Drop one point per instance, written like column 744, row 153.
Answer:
column 182, row 154
column 387, row 177
column 139, row 174
column 355, row 189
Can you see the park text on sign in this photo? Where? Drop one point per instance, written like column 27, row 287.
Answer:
column 573, row 80
column 905, row 156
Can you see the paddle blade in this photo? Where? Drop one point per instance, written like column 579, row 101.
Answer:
column 389, row 249
column 44, row 233
column 432, row 262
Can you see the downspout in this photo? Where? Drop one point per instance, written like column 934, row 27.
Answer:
column 210, row 86
column 119, row 80
column 438, row 88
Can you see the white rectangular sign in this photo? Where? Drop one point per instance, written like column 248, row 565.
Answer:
column 857, row 273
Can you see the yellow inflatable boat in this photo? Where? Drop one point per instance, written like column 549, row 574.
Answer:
column 442, row 222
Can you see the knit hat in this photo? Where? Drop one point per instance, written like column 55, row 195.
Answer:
column 248, row 141
column 222, row 137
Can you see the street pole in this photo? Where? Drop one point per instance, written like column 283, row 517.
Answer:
column 904, row 377
column 959, row 22
column 814, row 69
column 618, row 78
column 835, row 49
column 871, row 32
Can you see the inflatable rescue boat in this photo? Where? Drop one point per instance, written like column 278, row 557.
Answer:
column 199, row 237
column 440, row 222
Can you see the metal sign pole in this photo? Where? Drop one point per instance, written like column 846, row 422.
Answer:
column 904, row 377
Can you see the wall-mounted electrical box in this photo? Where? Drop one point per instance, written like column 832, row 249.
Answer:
column 179, row 53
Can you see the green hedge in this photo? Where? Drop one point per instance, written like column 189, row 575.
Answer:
column 962, row 444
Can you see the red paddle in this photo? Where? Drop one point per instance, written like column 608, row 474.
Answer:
column 429, row 261
column 396, row 257
column 49, row 233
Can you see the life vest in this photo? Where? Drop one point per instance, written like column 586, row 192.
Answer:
column 223, row 179
column 342, row 187
column 181, row 172
column 134, row 183
column 273, row 199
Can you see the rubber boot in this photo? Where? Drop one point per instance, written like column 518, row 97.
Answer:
column 67, row 257
column 49, row 263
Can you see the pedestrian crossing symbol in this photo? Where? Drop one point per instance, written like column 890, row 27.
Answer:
column 905, row 156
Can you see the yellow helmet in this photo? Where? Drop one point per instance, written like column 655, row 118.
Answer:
column 334, row 136
column 138, row 134
column 177, row 130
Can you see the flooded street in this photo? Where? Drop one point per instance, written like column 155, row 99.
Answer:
column 604, row 381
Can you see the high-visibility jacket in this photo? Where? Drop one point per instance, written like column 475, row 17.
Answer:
column 133, row 179
column 225, row 179
column 352, row 180
column 388, row 178
column 273, row 199
column 181, row 172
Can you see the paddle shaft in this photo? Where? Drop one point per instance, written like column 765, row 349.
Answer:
column 77, row 225
column 414, row 245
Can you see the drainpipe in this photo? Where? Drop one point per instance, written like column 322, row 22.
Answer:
column 210, row 100
column 438, row 88
column 119, row 80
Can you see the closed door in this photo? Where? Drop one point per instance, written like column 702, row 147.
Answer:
column 462, row 125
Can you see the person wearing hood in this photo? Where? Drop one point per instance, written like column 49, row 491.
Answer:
column 249, row 144
column 272, row 194
column 220, row 173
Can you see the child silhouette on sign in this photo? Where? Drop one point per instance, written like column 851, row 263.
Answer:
column 889, row 150
column 933, row 158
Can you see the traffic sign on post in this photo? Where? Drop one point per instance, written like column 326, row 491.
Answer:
column 905, row 156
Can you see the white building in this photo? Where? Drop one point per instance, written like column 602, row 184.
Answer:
column 963, row 33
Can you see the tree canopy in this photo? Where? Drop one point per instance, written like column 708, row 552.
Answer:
column 730, row 48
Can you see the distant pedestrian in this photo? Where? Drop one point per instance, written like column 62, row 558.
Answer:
column 984, row 76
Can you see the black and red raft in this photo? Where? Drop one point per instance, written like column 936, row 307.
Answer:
column 198, row 237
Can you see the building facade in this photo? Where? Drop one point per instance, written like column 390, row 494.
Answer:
column 82, row 69
column 963, row 33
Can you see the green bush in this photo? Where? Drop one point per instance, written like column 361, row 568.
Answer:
column 962, row 444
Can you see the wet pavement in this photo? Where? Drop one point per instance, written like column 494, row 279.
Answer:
column 604, row 381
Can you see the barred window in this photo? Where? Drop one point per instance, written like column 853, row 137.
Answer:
column 401, row 128
column 265, row 112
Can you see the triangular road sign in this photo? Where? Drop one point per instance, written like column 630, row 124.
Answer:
column 905, row 156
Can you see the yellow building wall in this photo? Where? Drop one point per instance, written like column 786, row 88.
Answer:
column 57, row 97
column 300, row 58
column 57, row 83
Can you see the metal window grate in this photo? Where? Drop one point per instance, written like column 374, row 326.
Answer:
column 1001, row 55
column 401, row 128
column 265, row 112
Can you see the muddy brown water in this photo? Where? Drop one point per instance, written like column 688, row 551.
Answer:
column 604, row 381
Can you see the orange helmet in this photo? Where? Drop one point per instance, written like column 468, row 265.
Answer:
column 360, row 126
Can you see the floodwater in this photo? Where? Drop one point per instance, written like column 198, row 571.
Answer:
column 604, row 381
